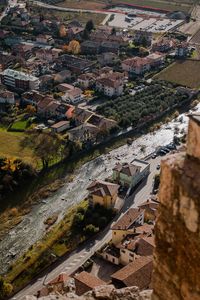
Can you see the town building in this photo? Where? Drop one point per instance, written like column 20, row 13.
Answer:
column 126, row 224
column 85, row 282
column 137, row 273
column 181, row 50
column 129, row 175
column 77, row 65
column 86, row 80
column 136, row 65
column 151, row 209
column 7, row 97
column 156, row 59
column 111, row 84
column 60, row 126
column 19, row 80
column 103, row 193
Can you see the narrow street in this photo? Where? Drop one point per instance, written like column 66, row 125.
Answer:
column 83, row 253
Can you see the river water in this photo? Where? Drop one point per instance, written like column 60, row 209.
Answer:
column 32, row 227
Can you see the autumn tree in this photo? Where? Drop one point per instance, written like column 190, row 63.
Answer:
column 74, row 47
column 62, row 31
column 45, row 146
column 30, row 109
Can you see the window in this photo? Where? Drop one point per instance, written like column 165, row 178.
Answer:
column 114, row 232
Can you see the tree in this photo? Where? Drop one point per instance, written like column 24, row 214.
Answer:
column 91, row 229
column 30, row 109
column 44, row 145
column 113, row 32
column 86, row 34
column 62, row 31
column 89, row 26
column 73, row 47
column 5, row 289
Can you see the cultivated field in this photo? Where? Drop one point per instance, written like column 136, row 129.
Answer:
column 186, row 73
column 183, row 5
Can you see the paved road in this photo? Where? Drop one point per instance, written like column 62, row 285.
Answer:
column 41, row 4
column 79, row 256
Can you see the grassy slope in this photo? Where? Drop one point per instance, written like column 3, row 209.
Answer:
column 10, row 146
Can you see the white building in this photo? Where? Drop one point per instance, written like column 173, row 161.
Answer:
column 136, row 65
column 111, row 84
column 19, row 80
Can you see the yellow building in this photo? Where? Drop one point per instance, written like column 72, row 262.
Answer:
column 103, row 193
column 126, row 224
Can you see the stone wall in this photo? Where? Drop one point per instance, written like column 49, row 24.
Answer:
column 177, row 255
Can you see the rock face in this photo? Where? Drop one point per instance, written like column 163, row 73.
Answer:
column 177, row 255
column 104, row 292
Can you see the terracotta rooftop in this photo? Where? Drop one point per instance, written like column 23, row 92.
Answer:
column 59, row 124
column 103, row 188
column 128, row 219
column 127, row 169
column 63, row 277
column 89, row 280
column 144, row 246
column 137, row 273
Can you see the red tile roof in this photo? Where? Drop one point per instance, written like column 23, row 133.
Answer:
column 137, row 273
column 127, row 220
column 62, row 278
column 103, row 188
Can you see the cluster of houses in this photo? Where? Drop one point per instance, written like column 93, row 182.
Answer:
column 130, row 251
column 36, row 69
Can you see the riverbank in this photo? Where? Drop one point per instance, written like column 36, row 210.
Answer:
column 97, row 164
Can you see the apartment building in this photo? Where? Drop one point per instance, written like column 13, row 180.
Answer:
column 19, row 80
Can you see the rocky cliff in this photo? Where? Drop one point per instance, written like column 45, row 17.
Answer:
column 104, row 292
column 177, row 256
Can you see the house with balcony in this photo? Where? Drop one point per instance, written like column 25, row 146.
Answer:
column 111, row 84
column 136, row 65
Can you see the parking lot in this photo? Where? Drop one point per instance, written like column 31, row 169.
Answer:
column 149, row 23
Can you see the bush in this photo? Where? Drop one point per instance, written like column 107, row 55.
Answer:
column 91, row 229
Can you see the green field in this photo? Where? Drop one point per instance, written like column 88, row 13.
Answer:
column 19, row 126
column 184, row 72
column 10, row 146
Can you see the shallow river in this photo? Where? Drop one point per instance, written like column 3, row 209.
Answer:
column 32, row 227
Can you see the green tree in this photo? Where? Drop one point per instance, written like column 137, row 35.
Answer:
column 89, row 26
column 91, row 229
column 45, row 146
column 5, row 289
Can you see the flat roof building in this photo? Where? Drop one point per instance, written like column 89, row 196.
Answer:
column 19, row 80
